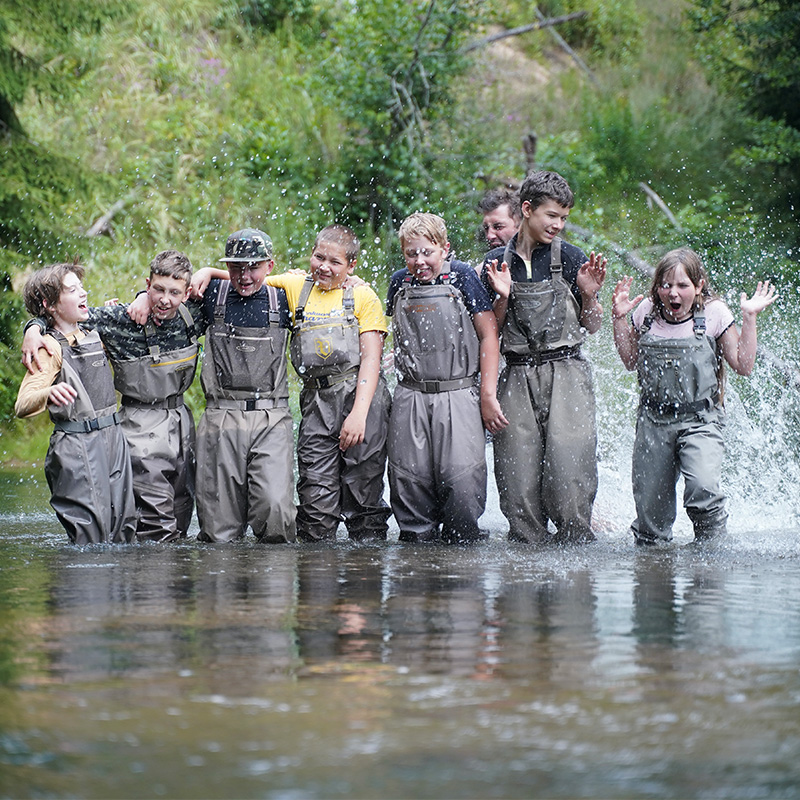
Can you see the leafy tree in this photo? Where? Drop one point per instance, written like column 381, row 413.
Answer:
column 390, row 73
column 752, row 48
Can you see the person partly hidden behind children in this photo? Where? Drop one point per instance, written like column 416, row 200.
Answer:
column 154, row 364
column 336, row 346
column 676, row 341
column 87, row 466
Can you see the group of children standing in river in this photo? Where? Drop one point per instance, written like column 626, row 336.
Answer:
column 115, row 475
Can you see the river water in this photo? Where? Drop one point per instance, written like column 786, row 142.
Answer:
column 396, row 671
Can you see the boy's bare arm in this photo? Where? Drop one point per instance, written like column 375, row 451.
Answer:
column 355, row 423
column 202, row 277
column 486, row 327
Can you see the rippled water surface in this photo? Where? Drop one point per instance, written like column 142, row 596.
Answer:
column 397, row 671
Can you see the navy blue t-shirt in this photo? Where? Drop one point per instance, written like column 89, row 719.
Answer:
column 462, row 276
column 246, row 312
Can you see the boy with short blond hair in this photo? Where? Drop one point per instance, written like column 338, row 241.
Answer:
column 154, row 365
column 87, row 465
column 444, row 335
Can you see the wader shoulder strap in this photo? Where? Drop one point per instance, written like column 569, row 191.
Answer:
column 555, row 256
column 274, row 307
column 222, row 296
column 188, row 321
column 300, row 311
column 699, row 326
column 349, row 303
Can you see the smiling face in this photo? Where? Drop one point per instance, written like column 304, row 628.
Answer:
column 499, row 226
column 71, row 307
column 678, row 294
column 543, row 223
column 166, row 294
column 329, row 265
column 247, row 277
column 424, row 258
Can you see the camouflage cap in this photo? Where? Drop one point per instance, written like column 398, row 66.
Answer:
column 248, row 244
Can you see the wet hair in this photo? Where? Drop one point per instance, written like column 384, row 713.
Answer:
column 541, row 186
column 172, row 264
column 44, row 287
column 429, row 226
column 695, row 271
column 495, row 198
column 343, row 236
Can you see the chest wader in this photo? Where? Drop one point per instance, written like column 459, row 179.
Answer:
column 437, row 446
column 678, row 431
column 244, row 440
column 332, row 485
column 87, row 465
column 545, row 460
column 159, row 428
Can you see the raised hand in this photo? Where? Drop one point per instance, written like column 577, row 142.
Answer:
column 499, row 278
column 592, row 274
column 763, row 296
column 621, row 302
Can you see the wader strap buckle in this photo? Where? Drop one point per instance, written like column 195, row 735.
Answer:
column 679, row 409
column 251, row 404
column 537, row 359
column 432, row 387
column 325, row 381
column 86, row 425
column 176, row 401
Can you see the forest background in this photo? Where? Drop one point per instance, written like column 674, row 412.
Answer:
column 132, row 126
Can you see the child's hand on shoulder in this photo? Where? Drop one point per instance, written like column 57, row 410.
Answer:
column 763, row 296
column 621, row 302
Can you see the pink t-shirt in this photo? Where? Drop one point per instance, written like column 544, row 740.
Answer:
column 718, row 320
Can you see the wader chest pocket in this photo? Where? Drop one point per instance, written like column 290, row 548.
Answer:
column 244, row 362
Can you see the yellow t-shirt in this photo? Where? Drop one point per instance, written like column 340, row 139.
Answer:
column 322, row 305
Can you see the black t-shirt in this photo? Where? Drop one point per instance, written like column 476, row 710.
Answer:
column 572, row 259
column 246, row 312
column 462, row 276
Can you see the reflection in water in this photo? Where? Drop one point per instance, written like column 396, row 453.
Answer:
column 396, row 671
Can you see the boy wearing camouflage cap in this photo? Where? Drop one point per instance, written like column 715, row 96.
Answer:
column 245, row 475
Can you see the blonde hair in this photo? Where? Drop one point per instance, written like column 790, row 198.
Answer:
column 429, row 226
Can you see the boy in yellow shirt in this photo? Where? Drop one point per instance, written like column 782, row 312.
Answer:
column 336, row 348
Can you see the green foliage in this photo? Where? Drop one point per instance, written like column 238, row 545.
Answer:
column 752, row 49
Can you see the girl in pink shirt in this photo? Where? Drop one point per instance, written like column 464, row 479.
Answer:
column 676, row 340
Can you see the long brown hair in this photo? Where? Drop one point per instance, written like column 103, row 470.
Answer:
column 691, row 262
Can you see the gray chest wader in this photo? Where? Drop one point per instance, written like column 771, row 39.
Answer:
column 436, row 347
column 245, row 368
column 333, row 485
column 245, row 474
column 329, row 351
column 678, row 377
column 159, row 379
column 87, row 465
column 545, row 460
column 678, row 431
column 160, row 432
column 437, row 446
